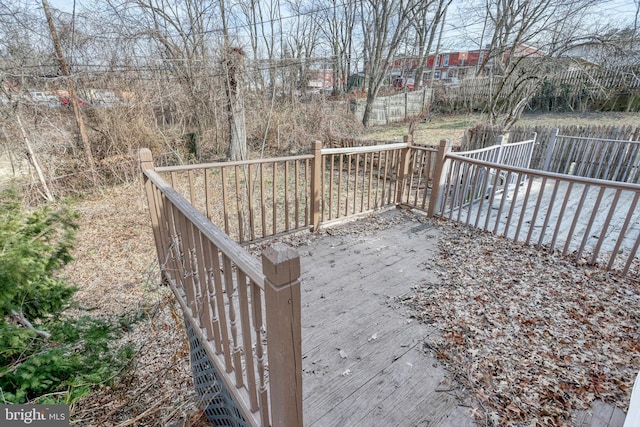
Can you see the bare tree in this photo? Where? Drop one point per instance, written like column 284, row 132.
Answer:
column 522, row 36
column 384, row 26
column 425, row 22
column 233, row 65
column 337, row 21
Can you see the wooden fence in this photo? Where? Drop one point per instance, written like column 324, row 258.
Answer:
column 249, row 200
column 562, row 90
column 394, row 108
column 245, row 313
column 607, row 159
column 486, row 135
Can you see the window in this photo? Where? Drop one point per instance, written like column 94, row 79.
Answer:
column 446, row 60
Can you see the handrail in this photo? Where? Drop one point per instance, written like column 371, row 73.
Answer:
column 495, row 147
column 368, row 149
column 235, row 163
column 551, row 175
column 239, row 256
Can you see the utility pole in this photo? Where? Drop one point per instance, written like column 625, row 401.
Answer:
column 72, row 92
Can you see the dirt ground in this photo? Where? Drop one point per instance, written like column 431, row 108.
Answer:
column 116, row 271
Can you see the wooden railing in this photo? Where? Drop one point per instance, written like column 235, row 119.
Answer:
column 549, row 210
column 249, row 200
column 255, row 199
column 607, row 159
column 516, row 154
column 357, row 180
column 231, row 300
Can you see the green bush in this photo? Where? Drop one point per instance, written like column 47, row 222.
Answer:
column 44, row 355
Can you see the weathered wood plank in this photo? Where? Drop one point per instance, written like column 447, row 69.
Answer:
column 362, row 354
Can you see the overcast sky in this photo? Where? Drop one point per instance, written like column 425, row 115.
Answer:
column 617, row 13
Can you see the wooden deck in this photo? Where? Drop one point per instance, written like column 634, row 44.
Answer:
column 363, row 358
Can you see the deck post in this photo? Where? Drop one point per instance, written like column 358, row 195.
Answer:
column 281, row 266
column 316, row 184
column 403, row 169
column 438, row 176
column 146, row 163
column 550, row 148
column 500, row 144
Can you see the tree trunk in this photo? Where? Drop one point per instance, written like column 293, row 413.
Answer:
column 368, row 108
column 72, row 93
column 233, row 61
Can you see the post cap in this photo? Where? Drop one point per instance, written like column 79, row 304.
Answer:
column 281, row 264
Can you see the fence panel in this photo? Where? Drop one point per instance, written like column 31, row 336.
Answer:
column 613, row 160
column 358, row 180
column 418, row 181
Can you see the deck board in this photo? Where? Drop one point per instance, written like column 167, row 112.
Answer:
column 383, row 377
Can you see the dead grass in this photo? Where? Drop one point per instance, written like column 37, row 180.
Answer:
column 453, row 126
column 116, row 271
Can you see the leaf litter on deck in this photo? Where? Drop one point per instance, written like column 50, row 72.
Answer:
column 533, row 336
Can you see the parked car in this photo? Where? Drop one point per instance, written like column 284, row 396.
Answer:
column 65, row 100
column 402, row 82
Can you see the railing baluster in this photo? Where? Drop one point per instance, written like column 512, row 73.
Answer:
column 296, row 192
column 219, row 297
column 247, row 346
column 192, row 191
column 339, row 203
column 355, row 183
column 535, row 211
column 263, row 204
column 239, row 204
column 485, row 187
column 230, row 290
column 547, row 217
column 574, row 223
column 213, row 327
column 563, row 209
column 331, row 179
column 287, row 207
column 249, row 182
column 505, row 195
column 274, row 207
column 594, row 213
column 385, row 177
column 631, row 255
column 371, row 193
column 514, row 201
column 224, row 201
column 256, row 306
column 492, row 196
column 607, row 223
column 623, row 230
